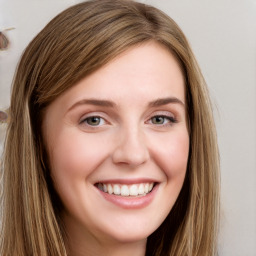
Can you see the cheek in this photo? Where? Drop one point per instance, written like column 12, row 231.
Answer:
column 75, row 155
column 171, row 154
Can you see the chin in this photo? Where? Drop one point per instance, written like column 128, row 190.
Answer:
column 131, row 234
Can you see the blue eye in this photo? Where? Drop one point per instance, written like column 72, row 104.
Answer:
column 93, row 121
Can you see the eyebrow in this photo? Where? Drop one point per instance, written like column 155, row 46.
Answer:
column 95, row 102
column 165, row 101
column 110, row 104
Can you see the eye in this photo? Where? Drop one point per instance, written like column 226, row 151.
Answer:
column 162, row 120
column 93, row 121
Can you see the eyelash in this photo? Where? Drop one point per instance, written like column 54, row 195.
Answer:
column 85, row 120
column 168, row 121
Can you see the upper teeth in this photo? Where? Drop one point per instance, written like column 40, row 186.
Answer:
column 126, row 190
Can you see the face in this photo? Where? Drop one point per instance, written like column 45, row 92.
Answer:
column 118, row 145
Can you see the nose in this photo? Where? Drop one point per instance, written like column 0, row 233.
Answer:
column 131, row 149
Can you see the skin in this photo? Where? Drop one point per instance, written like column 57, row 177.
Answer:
column 133, row 139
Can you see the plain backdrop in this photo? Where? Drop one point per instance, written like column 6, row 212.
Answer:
column 222, row 34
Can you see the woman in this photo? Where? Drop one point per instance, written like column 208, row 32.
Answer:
column 111, row 146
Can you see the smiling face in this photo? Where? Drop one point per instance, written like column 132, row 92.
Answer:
column 118, row 146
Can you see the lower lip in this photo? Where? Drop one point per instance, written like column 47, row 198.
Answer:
column 127, row 202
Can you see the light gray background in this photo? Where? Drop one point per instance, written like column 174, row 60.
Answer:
column 222, row 34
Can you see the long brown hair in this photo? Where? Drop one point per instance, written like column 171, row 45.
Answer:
column 74, row 44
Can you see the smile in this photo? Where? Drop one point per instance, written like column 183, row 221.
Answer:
column 131, row 190
column 128, row 194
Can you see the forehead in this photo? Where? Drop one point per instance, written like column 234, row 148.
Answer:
column 148, row 68
column 141, row 73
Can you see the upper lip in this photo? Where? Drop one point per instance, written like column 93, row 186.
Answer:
column 127, row 181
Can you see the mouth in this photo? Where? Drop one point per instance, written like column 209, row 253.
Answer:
column 128, row 194
column 126, row 190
